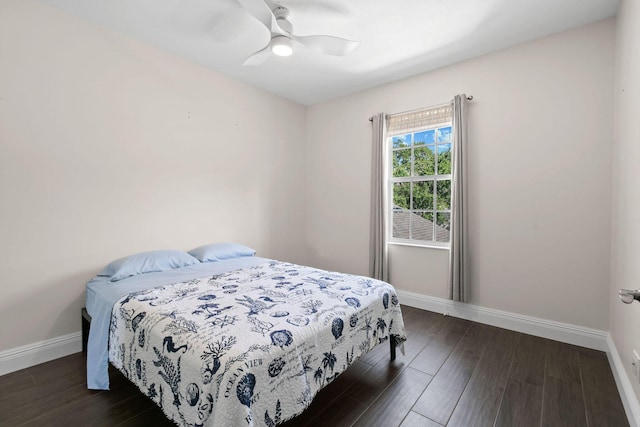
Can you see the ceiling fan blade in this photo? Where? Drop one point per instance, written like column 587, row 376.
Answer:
column 328, row 45
column 262, row 12
column 259, row 57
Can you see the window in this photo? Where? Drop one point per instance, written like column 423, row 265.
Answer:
column 419, row 181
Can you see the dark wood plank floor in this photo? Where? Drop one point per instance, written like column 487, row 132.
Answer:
column 453, row 373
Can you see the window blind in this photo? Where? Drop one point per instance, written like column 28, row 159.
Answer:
column 418, row 119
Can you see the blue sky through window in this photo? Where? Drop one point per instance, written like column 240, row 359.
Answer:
column 444, row 134
column 424, row 137
column 442, row 148
column 401, row 141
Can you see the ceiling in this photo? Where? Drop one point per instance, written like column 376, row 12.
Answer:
column 398, row 39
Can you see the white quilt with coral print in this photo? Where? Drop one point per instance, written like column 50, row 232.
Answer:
column 248, row 347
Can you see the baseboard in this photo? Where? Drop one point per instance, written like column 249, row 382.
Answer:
column 628, row 396
column 564, row 332
column 33, row 354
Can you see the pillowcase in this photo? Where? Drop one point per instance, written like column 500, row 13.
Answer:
column 219, row 251
column 147, row 262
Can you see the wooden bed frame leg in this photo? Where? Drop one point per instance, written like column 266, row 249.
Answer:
column 392, row 343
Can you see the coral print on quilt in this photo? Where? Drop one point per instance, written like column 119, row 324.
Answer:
column 249, row 347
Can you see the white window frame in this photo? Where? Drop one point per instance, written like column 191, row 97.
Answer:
column 391, row 180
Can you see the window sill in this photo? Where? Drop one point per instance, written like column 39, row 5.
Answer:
column 418, row 245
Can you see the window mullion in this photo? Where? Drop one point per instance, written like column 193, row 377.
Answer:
column 412, row 175
column 410, row 210
column 435, row 185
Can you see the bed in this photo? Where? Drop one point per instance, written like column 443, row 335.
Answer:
column 220, row 336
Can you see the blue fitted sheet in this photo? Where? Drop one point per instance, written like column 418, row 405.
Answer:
column 103, row 294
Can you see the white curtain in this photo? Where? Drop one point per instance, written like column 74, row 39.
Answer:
column 458, row 255
column 378, row 257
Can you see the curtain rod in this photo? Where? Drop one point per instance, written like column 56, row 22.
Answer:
column 469, row 98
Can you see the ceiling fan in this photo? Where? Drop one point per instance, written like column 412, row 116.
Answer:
column 282, row 38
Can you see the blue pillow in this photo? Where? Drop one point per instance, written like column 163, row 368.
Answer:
column 147, row 262
column 220, row 251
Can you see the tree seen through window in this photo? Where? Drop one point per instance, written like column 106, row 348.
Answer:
column 421, row 184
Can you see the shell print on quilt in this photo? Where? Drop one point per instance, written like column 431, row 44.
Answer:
column 253, row 357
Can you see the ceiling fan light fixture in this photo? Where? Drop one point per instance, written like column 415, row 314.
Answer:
column 282, row 46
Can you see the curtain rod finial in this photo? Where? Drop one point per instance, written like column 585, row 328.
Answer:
column 470, row 98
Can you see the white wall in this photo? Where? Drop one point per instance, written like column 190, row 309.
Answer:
column 109, row 147
column 624, row 319
column 539, row 176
